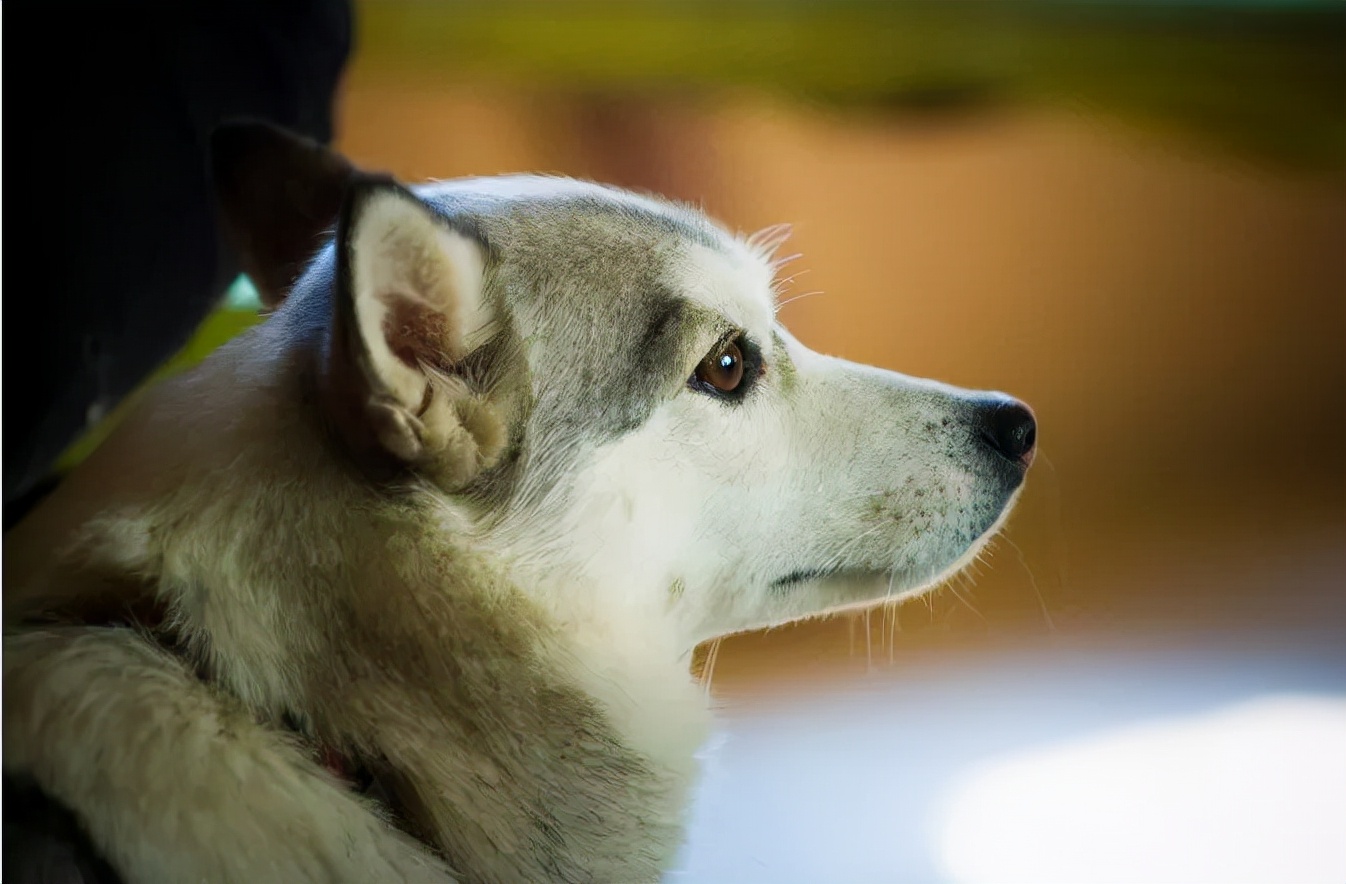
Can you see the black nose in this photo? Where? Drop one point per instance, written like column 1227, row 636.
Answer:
column 1008, row 426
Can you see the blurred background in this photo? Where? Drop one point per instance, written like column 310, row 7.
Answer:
column 1132, row 216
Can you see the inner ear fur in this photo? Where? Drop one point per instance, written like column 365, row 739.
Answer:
column 409, row 304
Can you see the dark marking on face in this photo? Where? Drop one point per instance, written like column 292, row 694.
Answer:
column 785, row 367
column 663, row 335
column 655, row 361
column 794, row 578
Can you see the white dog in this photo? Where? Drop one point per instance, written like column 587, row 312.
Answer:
column 414, row 568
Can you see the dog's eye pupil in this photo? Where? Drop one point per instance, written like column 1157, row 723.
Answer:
column 722, row 369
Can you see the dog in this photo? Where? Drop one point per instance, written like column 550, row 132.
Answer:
column 402, row 584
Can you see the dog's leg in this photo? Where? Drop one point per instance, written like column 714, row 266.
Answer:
column 174, row 782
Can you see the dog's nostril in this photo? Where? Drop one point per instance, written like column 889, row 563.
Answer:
column 1009, row 427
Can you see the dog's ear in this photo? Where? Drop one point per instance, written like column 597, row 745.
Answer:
column 410, row 310
column 278, row 193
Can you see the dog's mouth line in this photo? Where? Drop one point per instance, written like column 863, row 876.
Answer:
column 811, row 575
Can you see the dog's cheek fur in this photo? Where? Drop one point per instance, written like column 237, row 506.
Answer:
column 186, row 786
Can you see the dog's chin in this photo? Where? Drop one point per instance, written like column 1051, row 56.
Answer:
column 850, row 590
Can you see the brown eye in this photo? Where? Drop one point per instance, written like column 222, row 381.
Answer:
column 723, row 368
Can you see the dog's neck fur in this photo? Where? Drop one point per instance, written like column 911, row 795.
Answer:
column 511, row 741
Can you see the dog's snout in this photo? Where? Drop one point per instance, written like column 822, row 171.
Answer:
column 1009, row 427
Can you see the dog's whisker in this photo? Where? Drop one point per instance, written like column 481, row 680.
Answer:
column 798, row 297
column 708, row 667
column 1033, row 582
column 869, row 647
column 883, row 625
column 1055, row 529
column 967, row 604
column 780, row 283
column 893, row 629
column 767, row 241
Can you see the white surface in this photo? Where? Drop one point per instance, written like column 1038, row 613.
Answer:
column 1206, row 765
column 1254, row 792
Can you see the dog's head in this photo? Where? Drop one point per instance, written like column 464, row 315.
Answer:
column 592, row 388
column 599, row 381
